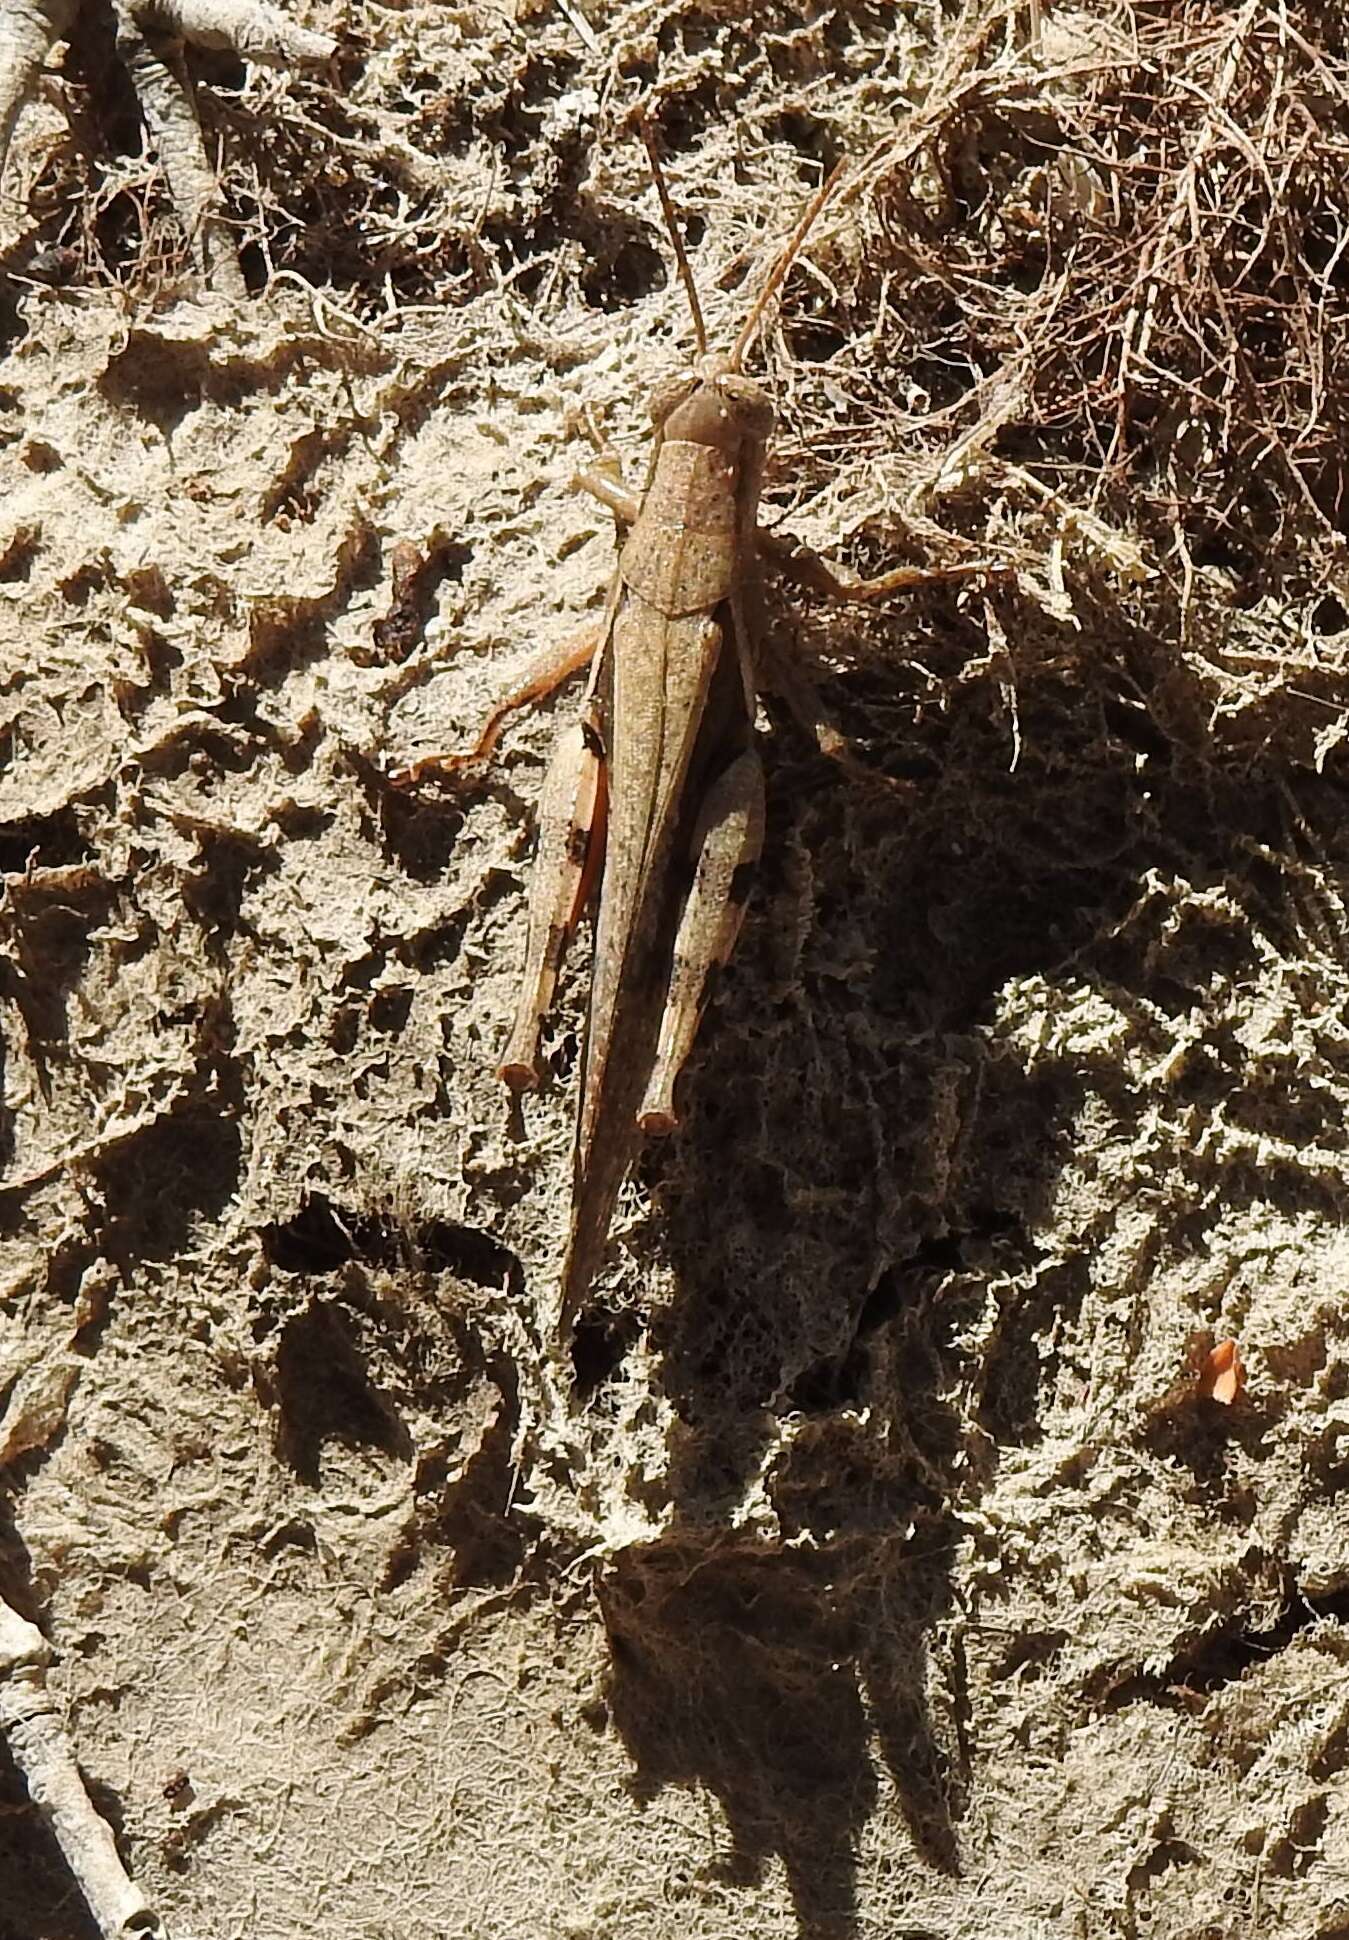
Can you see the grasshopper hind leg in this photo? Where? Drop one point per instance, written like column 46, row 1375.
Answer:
column 572, row 816
column 727, row 839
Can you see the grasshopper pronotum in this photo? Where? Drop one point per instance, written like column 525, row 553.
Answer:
column 654, row 798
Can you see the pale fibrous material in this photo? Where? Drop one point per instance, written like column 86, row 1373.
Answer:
column 894, row 1563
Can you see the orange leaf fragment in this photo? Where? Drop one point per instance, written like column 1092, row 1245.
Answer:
column 1222, row 1377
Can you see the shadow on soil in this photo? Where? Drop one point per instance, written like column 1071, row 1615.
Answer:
column 863, row 1157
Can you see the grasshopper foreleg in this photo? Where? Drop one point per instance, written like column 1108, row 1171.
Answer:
column 606, row 484
column 605, row 480
column 572, row 813
column 726, row 842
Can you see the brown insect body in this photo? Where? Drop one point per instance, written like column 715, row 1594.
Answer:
column 654, row 798
column 674, row 687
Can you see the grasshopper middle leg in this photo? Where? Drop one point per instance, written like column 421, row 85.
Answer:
column 547, row 670
column 803, row 564
column 789, row 680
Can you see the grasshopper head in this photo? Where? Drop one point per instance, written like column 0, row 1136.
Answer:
column 714, row 404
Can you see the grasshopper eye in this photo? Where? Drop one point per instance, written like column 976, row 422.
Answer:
column 747, row 403
column 668, row 395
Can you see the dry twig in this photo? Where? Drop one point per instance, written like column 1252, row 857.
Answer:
column 31, row 1725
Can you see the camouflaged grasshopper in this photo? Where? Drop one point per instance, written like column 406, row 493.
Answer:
column 654, row 798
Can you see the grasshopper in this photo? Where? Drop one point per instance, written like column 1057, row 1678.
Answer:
column 653, row 802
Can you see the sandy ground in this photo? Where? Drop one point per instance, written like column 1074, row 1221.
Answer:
column 887, row 1571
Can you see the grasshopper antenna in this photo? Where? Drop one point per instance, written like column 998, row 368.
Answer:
column 783, row 264
column 685, row 273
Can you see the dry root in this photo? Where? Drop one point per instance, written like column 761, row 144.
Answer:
column 1100, row 304
column 151, row 38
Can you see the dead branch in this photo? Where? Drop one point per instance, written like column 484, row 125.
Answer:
column 32, row 1727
